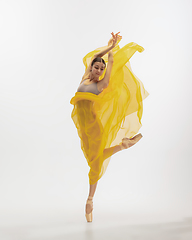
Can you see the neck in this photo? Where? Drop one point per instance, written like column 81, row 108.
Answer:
column 93, row 78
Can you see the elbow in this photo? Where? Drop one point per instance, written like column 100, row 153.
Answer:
column 110, row 61
column 97, row 55
column 110, row 58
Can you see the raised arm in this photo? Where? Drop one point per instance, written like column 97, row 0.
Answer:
column 105, row 50
column 105, row 81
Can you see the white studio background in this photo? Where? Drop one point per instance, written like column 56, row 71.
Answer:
column 42, row 167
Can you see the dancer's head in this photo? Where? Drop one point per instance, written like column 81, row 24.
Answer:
column 98, row 59
column 98, row 66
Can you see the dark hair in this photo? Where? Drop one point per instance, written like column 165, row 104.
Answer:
column 98, row 59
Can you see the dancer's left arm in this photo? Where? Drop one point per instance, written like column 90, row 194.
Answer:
column 102, row 84
column 105, row 81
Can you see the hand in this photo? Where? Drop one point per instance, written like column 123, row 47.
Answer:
column 114, row 39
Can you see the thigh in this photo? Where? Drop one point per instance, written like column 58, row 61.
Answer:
column 91, row 130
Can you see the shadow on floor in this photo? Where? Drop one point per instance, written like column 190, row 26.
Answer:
column 98, row 230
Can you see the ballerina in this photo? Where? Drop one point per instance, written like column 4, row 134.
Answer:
column 97, row 112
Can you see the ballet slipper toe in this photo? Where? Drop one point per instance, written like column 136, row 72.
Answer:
column 129, row 142
column 89, row 216
column 137, row 137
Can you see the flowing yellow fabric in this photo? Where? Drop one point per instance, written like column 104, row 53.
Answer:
column 103, row 120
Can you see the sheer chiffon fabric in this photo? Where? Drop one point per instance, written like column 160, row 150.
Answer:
column 103, row 120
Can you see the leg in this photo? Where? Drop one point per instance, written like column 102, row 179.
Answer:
column 126, row 143
column 92, row 189
column 106, row 153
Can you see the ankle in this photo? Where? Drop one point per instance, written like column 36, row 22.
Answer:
column 121, row 146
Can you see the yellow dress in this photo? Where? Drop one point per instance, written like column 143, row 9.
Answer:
column 103, row 120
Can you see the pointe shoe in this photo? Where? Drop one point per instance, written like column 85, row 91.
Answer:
column 89, row 216
column 129, row 142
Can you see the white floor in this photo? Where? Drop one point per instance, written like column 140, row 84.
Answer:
column 62, row 225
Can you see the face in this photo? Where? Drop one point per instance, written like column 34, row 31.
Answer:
column 98, row 69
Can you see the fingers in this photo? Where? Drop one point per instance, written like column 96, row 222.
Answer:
column 116, row 36
column 112, row 34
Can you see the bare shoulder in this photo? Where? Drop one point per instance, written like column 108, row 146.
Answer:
column 85, row 76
